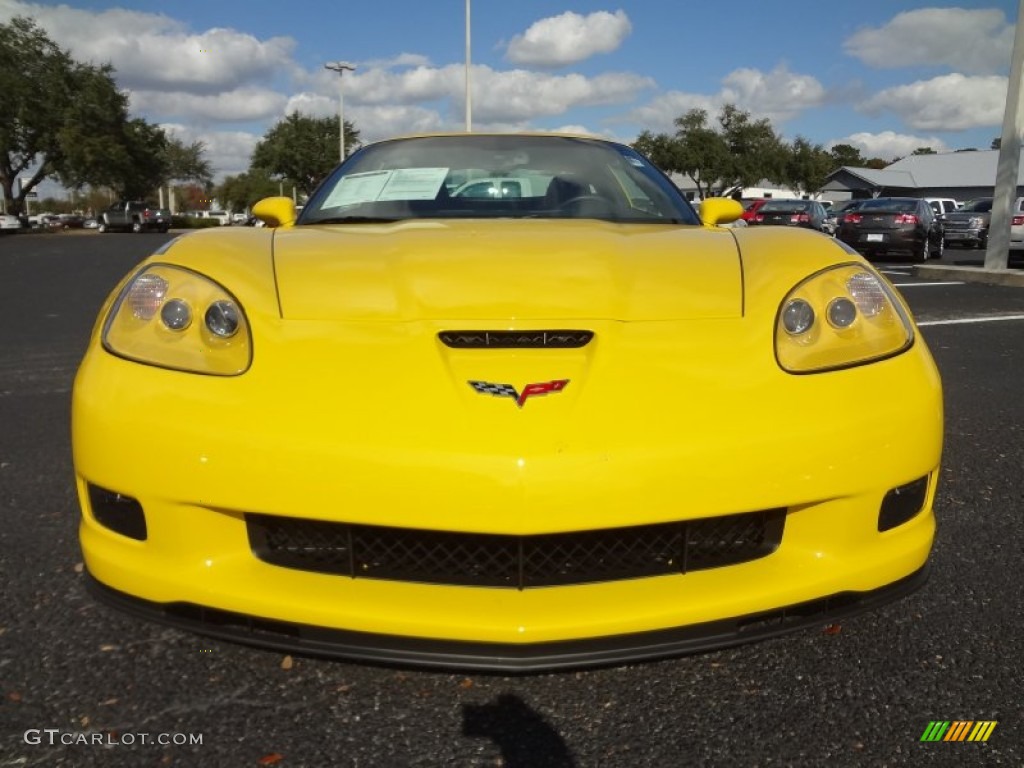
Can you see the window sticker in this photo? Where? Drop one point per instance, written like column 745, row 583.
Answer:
column 399, row 184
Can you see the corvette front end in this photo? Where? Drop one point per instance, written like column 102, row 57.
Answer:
column 505, row 443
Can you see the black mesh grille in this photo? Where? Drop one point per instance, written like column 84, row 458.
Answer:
column 515, row 339
column 518, row 562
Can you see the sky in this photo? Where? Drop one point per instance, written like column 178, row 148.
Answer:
column 886, row 76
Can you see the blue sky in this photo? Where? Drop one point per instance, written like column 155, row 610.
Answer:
column 884, row 75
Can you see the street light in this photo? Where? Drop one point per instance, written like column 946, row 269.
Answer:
column 340, row 67
column 469, row 89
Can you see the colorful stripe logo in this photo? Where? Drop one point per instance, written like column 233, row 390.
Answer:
column 959, row 730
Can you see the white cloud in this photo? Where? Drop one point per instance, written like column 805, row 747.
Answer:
column 948, row 103
column 975, row 41
column 569, row 38
column 518, row 95
column 228, row 151
column 779, row 95
column 150, row 50
column 382, row 122
column 889, row 145
column 401, row 60
column 246, row 104
column 658, row 114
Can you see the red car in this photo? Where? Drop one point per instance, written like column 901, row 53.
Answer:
column 750, row 208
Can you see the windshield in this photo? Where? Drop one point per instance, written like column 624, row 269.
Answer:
column 497, row 176
column 982, row 205
column 785, row 206
column 889, row 204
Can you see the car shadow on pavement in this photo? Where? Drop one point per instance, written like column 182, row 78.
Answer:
column 525, row 738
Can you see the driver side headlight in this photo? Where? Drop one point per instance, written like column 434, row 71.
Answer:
column 838, row 318
column 176, row 318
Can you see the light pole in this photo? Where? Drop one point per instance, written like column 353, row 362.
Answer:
column 340, row 67
column 469, row 90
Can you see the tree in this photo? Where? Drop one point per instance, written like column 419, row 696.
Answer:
column 740, row 151
column 702, row 152
column 242, row 191
column 302, row 149
column 64, row 120
column 186, row 163
column 847, row 155
column 754, row 151
column 924, row 151
column 997, row 142
column 807, row 166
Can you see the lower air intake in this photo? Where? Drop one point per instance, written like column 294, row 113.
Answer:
column 515, row 562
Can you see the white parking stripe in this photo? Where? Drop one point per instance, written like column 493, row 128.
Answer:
column 919, row 285
column 965, row 320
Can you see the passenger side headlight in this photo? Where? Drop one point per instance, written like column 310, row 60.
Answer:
column 841, row 317
column 176, row 318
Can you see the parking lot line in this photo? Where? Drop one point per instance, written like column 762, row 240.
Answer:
column 966, row 320
column 919, row 285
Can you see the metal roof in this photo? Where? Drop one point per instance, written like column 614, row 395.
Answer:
column 953, row 169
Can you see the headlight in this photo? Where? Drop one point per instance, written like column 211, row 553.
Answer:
column 175, row 318
column 840, row 317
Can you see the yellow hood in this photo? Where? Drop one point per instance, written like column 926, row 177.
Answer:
column 507, row 269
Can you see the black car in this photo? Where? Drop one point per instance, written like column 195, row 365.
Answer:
column 893, row 225
column 792, row 213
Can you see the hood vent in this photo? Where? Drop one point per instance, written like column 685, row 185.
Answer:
column 515, row 339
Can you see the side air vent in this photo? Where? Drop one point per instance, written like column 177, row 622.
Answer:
column 515, row 339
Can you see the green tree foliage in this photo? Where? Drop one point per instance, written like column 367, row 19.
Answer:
column 68, row 121
column 240, row 192
column 302, row 150
column 807, row 165
column 186, row 162
column 756, row 152
column 61, row 119
column 847, row 155
column 740, row 151
column 924, row 151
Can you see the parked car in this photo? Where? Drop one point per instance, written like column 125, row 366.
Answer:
column 134, row 216
column 9, row 223
column 70, row 221
column 751, row 207
column 1017, row 231
column 943, row 205
column 792, row 213
column 969, row 226
column 505, row 433
column 893, row 225
column 836, row 211
column 503, row 187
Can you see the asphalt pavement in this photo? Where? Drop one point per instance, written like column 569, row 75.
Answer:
column 83, row 685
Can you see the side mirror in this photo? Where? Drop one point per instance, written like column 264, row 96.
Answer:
column 715, row 211
column 275, row 211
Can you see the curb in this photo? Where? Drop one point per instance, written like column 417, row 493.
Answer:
column 1013, row 278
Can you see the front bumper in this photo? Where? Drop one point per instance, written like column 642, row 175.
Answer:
column 203, row 455
column 965, row 238
column 506, row 657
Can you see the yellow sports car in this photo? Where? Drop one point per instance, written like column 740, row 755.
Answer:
column 561, row 421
